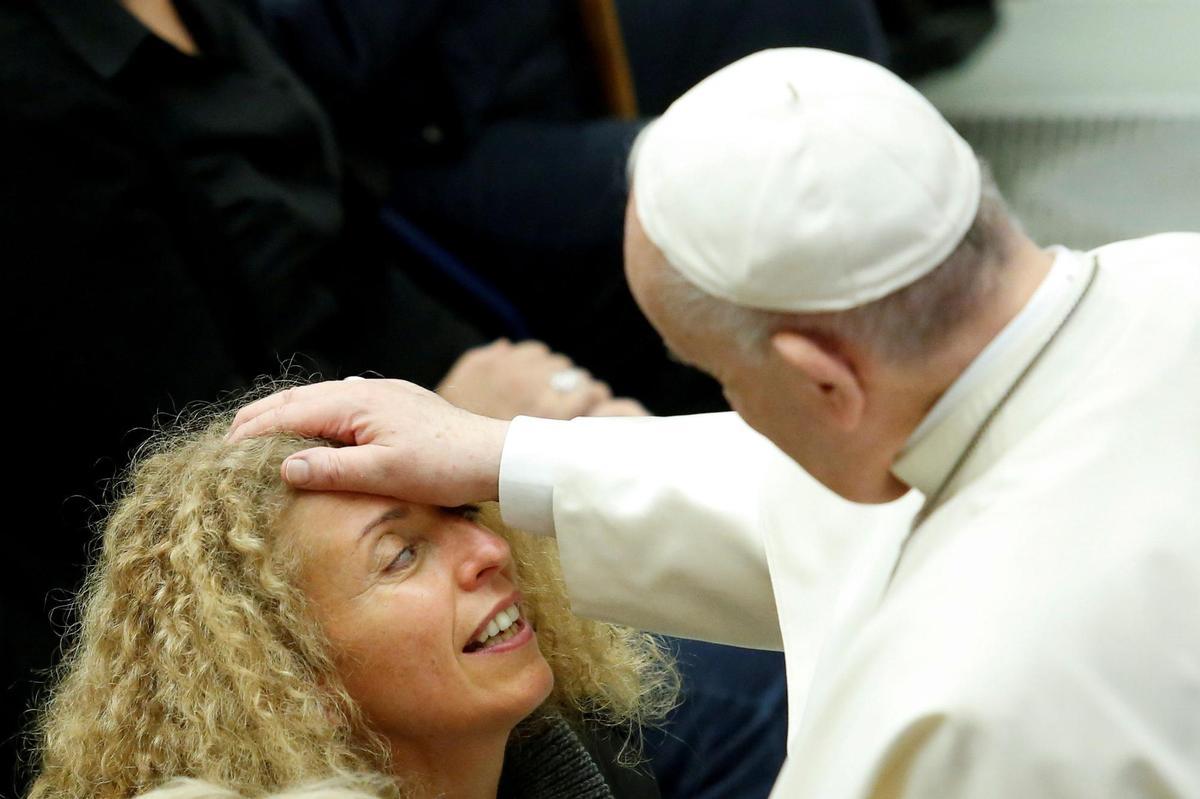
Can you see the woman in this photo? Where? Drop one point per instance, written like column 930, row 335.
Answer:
column 237, row 632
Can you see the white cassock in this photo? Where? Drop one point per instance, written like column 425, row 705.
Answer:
column 1039, row 632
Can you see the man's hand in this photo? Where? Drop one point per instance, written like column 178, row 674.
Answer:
column 409, row 443
column 619, row 406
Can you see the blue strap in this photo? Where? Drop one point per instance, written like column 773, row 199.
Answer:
column 458, row 272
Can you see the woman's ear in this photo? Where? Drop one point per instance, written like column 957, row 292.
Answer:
column 839, row 393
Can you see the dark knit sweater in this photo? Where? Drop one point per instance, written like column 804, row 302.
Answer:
column 555, row 761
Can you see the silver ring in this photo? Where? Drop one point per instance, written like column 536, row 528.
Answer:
column 564, row 381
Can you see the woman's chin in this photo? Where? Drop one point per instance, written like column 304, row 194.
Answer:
column 536, row 684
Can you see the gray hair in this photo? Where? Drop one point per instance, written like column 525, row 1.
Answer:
column 903, row 326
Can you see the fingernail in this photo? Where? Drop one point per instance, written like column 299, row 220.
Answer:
column 297, row 472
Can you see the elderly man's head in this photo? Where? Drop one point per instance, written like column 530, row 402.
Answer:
column 833, row 304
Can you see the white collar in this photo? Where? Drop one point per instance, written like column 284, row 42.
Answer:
column 947, row 430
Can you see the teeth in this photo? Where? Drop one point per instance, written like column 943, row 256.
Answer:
column 500, row 625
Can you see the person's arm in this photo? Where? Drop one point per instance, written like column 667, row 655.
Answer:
column 660, row 521
column 695, row 526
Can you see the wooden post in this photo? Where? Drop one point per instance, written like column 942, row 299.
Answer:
column 602, row 29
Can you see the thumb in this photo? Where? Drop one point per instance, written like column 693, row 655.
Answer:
column 361, row 469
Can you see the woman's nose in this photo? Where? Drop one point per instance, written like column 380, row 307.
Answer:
column 484, row 555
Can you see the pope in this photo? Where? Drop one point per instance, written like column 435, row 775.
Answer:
column 958, row 488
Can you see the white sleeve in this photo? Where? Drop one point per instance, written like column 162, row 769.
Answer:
column 657, row 519
column 528, row 467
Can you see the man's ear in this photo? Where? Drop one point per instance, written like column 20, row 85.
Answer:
column 839, row 393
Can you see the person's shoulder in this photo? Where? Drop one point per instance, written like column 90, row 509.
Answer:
column 1170, row 250
column 625, row 780
column 62, row 117
column 549, row 756
column 32, row 50
column 1149, row 288
column 47, row 90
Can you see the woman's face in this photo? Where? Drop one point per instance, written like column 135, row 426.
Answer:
column 404, row 591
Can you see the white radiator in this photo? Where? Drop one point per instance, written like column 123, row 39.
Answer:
column 1089, row 112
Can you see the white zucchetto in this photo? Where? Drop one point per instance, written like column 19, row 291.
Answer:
column 804, row 180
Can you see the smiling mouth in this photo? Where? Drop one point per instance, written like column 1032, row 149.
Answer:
column 504, row 626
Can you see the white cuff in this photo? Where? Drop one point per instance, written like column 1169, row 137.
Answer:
column 528, row 468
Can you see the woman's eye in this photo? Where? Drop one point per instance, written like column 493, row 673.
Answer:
column 471, row 511
column 404, row 558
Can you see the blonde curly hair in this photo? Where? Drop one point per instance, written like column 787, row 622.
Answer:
column 196, row 655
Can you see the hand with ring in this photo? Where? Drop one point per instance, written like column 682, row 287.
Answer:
column 503, row 380
column 567, row 380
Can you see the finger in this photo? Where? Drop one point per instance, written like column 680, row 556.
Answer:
column 541, row 358
column 594, row 394
column 499, row 346
column 621, row 406
column 325, row 414
column 579, row 401
column 267, row 404
column 598, row 391
column 591, row 388
column 531, row 345
column 364, row 469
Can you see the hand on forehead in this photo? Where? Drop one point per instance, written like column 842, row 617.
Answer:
column 405, row 441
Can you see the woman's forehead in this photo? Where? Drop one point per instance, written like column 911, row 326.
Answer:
column 324, row 520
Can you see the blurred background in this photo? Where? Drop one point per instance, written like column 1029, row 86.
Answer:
column 366, row 186
column 1089, row 113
